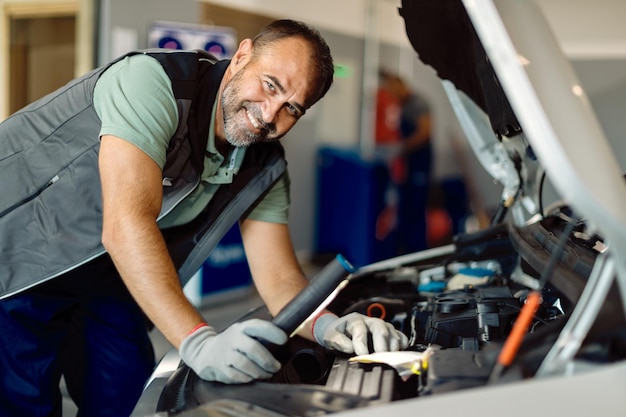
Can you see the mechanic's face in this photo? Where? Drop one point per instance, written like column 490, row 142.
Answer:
column 267, row 94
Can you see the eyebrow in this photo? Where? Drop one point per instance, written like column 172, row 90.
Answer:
column 278, row 85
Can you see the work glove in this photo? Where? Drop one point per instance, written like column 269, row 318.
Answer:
column 234, row 356
column 350, row 333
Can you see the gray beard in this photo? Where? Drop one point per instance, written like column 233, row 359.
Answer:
column 236, row 129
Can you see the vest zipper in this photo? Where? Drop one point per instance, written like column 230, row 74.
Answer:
column 30, row 197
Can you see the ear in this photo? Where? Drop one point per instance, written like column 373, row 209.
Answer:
column 243, row 54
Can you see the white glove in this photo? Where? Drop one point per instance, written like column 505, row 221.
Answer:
column 349, row 334
column 235, row 355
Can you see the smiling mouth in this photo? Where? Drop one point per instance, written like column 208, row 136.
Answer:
column 253, row 121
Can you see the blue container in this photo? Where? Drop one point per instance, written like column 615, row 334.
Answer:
column 350, row 198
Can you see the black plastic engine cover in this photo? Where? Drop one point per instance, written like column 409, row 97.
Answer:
column 467, row 318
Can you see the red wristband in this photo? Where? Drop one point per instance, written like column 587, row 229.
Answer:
column 198, row 326
column 315, row 321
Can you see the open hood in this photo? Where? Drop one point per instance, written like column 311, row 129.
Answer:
column 505, row 65
column 444, row 38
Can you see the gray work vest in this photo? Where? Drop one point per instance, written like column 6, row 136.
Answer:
column 50, row 195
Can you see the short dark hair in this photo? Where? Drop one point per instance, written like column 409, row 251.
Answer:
column 320, row 52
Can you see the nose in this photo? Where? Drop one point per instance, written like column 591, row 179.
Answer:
column 270, row 109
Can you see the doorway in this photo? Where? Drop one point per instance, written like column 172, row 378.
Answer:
column 42, row 56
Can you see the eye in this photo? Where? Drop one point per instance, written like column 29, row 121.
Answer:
column 269, row 86
column 292, row 110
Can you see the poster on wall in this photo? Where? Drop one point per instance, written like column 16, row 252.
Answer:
column 220, row 41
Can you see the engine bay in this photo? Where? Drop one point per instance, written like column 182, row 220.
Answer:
column 458, row 305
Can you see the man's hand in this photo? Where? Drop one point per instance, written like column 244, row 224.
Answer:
column 349, row 334
column 235, row 355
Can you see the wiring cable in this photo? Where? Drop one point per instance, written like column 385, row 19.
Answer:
column 533, row 301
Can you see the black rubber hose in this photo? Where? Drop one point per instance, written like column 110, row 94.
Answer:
column 307, row 300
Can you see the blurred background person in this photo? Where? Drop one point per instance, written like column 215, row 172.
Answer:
column 415, row 152
column 387, row 137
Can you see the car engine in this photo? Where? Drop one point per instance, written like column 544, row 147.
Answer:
column 458, row 305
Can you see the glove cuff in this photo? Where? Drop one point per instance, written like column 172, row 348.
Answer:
column 197, row 326
column 320, row 324
column 191, row 344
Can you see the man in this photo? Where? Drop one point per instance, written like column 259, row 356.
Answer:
column 115, row 189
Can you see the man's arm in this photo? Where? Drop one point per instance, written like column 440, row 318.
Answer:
column 275, row 269
column 277, row 274
column 132, row 197
column 131, row 188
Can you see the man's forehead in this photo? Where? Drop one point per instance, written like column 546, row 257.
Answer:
column 288, row 61
column 290, row 50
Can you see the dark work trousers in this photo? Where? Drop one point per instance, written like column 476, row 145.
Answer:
column 83, row 325
column 411, row 230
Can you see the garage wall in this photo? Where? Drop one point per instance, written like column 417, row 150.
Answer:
column 125, row 24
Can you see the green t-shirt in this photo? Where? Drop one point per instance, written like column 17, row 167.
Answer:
column 135, row 102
